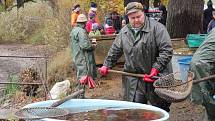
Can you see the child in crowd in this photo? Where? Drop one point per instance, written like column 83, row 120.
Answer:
column 95, row 30
column 123, row 23
column 93, row 9
column 90, row 22
column 109, row 29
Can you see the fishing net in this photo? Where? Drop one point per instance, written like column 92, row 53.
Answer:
column 172, row 89
column 41, row 112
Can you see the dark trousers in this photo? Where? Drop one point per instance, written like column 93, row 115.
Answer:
column 145, row 93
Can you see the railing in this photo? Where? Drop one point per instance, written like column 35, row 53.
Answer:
column 43, row 82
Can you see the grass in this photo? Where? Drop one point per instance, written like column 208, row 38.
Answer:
column 36, row 38
column 12, row 88
column 2, row 9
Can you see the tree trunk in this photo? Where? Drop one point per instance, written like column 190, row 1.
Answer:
column 184, row 17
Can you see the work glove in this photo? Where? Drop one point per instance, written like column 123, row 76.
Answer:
column 88, row 80
column 148, row 78
column 103, row 70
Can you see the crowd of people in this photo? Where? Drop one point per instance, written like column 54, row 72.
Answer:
column 111, row 25
column 113, row 21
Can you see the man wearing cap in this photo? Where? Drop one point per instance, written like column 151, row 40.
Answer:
column 147, row 48
column 74, row 15
column 82, row 55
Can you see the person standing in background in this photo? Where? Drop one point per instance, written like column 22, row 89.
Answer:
column 211, row 25
column 162, row 8
column 82, row 55
column 74, row 15
column 117, row 19
column 207, row 17
column 109, row 28
column 93, row 9
column 90, row 22
column 95, row 30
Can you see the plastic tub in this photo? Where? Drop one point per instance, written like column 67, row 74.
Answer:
column 83, row 105
column 195, row 40
column 184, row 65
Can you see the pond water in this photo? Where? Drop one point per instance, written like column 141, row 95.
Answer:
column 116, row 115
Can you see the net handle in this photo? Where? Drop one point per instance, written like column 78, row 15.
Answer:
column 130, row 74
column 204, row 79
column 59, row 102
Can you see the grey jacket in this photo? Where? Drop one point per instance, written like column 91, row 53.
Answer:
column 151, row 48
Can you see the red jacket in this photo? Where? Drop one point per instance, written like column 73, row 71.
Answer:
column 89, row 25
column 110, row 30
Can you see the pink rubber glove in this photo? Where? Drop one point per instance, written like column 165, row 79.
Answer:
column 148, row 78
column 88, row 80
column 103, row 70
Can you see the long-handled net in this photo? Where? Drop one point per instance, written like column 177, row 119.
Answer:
column 33, row 113
column 168, row 87
column 172, row 89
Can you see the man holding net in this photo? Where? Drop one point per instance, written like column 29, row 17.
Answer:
column 203, row 65
column 147, row 49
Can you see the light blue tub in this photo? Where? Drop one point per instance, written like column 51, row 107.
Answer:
column 82, row 105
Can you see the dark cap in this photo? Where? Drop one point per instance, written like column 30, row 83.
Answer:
column 93, row 5
column 133, row 7
column 76, row 6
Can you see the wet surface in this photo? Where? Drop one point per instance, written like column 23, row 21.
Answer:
column 116, row 115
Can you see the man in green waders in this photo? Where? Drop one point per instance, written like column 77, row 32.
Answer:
column 147, row 48
column 203, row 64
column 82, row 55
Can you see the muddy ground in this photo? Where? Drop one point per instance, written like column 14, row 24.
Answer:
column 107, row 88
